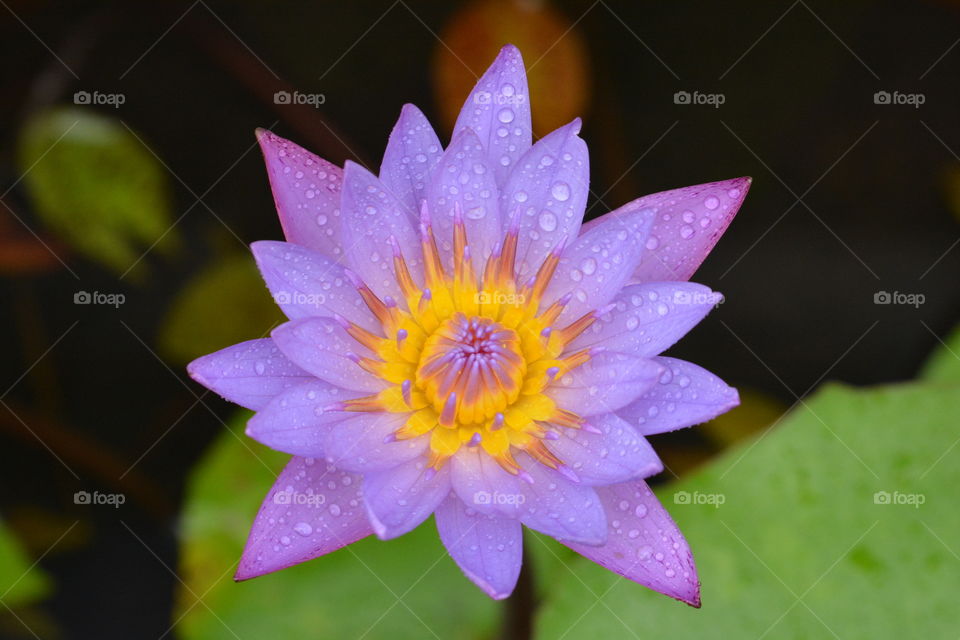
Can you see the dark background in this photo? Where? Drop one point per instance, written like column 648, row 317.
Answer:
column 849, row 198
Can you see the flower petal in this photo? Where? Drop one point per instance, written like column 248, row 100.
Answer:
column 498, row 110
column 689, row 221
column 597, row 264
column 412, row 152
column 686, row 395
column 400, row 498
column 306, row 190
column 643, row 543
column 296, row 420
column 311, row 510
column 617, row 454
column 464, row 177
column 606, row 382
column 370, row 215
column 482, row 484
column 649, row 318
column 548, row 188
column 559, row 508
column 488, row 549
column 306, row 283
column 250, row 373
column 323, row 348
column 358, row 443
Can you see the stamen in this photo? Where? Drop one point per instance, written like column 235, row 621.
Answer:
column 449, row 411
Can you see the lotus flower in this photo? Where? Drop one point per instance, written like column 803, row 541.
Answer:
column 458, row 344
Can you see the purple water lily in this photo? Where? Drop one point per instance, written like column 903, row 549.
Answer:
column 459, row 345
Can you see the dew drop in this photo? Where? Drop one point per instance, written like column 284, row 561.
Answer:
column 560, row 191
column 548, row 221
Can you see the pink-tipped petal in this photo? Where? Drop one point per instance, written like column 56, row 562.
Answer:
column 250, row 373
column 412, row 152
column 548, row 188
column 312, row 509
column 684, row 396
column 606, row 382
column 359, row 443
column 297, row 420
column 643, row 543
column 399, row 499
column 306, row 190
column 306, row 283
column 498, row 109
column 464, row 179
column 488, row 549
column 321, row 346
column 649, row 318
column 617, row 454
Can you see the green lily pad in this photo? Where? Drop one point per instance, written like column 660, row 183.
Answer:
column 21, row 583
column 944, row 364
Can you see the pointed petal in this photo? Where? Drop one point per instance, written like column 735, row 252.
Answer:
column 644, row 544
column 649, row 318
column 488, row 549
column 311, row 510
column 250, row 373
column 598, row 263
column 688, row 223
column 686, row 395
column 548, row 188
column 306, row 190
column 370, row 215
column 606, row 382
column 465, row 177
column 559, row 508
column 295, row 421
column 498, row 109
column 412, row 152
column 306, row 283
column 358, row 443
column 482, row 484
column 400, row 498
column 321, row 346
column 617, row 454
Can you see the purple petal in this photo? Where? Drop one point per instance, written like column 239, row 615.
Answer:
column 306, row 190
column 400, row 498
column 548, row 189
column 322, row 347
column 297, row 420
column 483, row 485
column 644, row 544
column 306, row 283
column 488, row 549
column 649, row 318
column 250, row 373
column 498, row 110
column 358, row 443
column 465, row 178
column 689, row 221
column 617, row 454
column 311, row 510
column 371, row 215
column 598, row 263
column 606, row 382
column 686, row 395
column 412, row 152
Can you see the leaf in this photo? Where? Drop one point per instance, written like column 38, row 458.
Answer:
column 944, row 364
column 225, row 304
column 21, row 583
column 94, row 184
column 808, row 542
column 404, row 588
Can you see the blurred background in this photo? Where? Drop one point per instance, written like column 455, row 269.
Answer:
column 131, row 185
